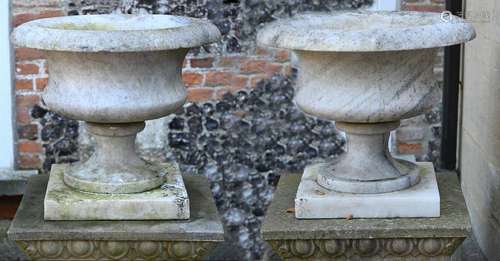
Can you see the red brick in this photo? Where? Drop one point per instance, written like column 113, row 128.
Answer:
column 26, row 17
column 23, row 116
column 191, row 79
column 262, row 51
column 27, row 100
column 28, row 161
column 230, row 61
column 202, row 62
column 409, row 148
column 218, row 78
column 41, row 83
column 221, row 91
column 288, row 70
column 27, row 54
column 424, row 8
column 273, row 68
column 200, row 94
column 257, row 78
column 29, row 132
column 254, row 66
column 23, row 105
column 24, row 84
column 27, row 68
column 282, row 55
column 29, row 147
column 239, row 82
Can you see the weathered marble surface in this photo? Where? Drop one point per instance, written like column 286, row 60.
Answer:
column 367, row 71
column 115, row 72
column 365, row 31
column 170, row 201
column 367, row 239
column 111, row 240
column 314, row 201
column 115, row 33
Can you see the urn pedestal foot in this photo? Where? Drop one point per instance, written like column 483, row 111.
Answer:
column 114, row 167
column 367, row 167
column 314, row 201
column 168, row 202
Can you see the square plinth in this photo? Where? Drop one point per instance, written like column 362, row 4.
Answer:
column 190, row 239
column 409, row 239
column 170, row 201
column 314, row 201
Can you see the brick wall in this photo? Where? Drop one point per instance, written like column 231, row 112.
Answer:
column 207, row 75
column 30, row 79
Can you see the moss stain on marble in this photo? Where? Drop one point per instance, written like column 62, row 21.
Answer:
column 169, row 201
column 84, row 27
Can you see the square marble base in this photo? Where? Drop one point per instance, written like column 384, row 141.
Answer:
column 312, row 201
column 170, row 201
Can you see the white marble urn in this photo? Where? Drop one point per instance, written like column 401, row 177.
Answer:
column 115, row 72
column 366, row 71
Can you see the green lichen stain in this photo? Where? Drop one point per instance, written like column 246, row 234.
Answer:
column 87, row 27
column 64, row 194
column 67, row 199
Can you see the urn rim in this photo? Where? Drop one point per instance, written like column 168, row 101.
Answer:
column 366, row 31
column 115, row 33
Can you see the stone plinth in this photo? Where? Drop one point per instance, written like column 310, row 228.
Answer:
column 314, row 201
column 170, row 201
column 112, row 240
column 367, row 239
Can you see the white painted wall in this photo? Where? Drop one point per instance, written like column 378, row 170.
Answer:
column 480, row 140
column 6, row 89
column 386, row 5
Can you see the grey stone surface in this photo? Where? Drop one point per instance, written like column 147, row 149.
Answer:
column 367, row 239
column 13, row 182
column 362, row 31
column 8, row 249
column 454, row 220
column 469, row 251
column 204, row 224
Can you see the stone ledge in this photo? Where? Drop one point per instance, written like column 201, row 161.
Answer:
column 115, row 250
column 13, row 182
column 367, row 249
column 131, row 240
column 367, row 239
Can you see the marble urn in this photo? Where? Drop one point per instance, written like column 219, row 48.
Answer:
column 366, row 71
column 114, row 72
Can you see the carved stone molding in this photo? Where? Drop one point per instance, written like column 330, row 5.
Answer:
column 115, row 250
column 367, row 249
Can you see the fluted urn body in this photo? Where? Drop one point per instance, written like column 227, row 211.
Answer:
column 366, row 71
column 114, row 72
